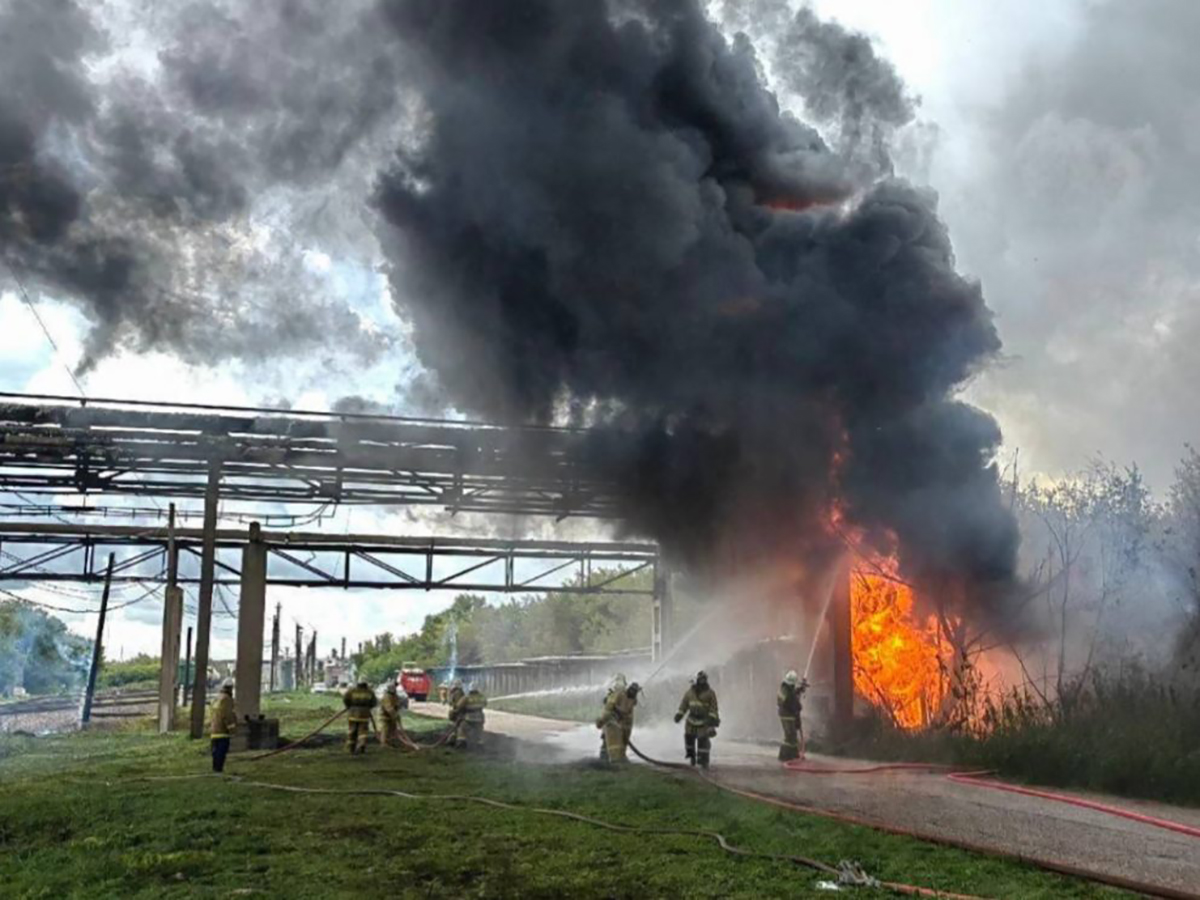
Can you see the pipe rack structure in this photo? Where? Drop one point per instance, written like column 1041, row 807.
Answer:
column 347, row 561
column 52, row 445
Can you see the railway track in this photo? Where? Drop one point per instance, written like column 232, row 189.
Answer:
column 108, row 703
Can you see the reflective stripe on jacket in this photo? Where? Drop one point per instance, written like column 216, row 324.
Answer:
column 360, row 702
column 699, row 705
column 788, row 701
column 223, row 720
column 470, row 708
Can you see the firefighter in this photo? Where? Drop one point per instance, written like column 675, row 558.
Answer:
column 467, row 716
column 699, row 704
column 616, row 721
column 788, row 701
column 359, row 700
column 456, row 694
column 389, row 710
column 222, row 724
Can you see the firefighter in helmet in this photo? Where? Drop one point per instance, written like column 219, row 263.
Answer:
column 699, row 704
column 389, row 711
column 456, row 694
column 616, row 720
column 359, row 701
column 467, row 716
column 788, row 701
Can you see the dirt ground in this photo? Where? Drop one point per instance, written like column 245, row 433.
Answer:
column 927, row 804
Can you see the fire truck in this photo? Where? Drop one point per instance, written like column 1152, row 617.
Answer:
column 415, row 681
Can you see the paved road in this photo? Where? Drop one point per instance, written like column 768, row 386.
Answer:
column 928, row 804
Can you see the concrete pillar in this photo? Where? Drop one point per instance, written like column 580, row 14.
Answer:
column 252, row 613
column 208, row 564
column 172, row 623
column 168, row 672
column 842, row 656
column 661, row 625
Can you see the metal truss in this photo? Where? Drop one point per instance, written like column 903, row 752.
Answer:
column 51, row 552
column 57, row 445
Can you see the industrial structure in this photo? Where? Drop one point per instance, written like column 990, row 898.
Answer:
column 52, row 446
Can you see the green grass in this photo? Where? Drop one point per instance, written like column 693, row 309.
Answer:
column 570, row 707
column 76, row 821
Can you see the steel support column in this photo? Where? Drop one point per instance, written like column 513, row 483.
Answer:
column 661, row 625
column 252, row 611
column 843, row 659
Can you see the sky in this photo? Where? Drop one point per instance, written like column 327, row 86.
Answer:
column 1061, row 138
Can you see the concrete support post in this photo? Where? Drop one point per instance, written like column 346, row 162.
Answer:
column 843, row 658
column 252, row 612
column 661, row 625
column 208, row 564
column 168, row 674
column 172, row 622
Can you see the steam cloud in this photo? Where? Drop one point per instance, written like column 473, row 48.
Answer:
column 594, row 211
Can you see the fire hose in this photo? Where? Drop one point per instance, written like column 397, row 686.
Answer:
column 1128, row 884
column 898, row 887
column 977, row 779
column 846, row 873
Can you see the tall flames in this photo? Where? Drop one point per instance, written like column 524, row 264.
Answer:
column 901, row 662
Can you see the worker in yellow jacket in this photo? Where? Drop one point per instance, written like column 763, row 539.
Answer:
column 389, row 711
column 359, row 700
column 616, row 720
column 221, row 725
column 467, row 716
column 456, row 694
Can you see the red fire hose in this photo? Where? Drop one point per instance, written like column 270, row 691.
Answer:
column 977, row 779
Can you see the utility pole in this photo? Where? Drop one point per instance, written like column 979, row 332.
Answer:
column 312, row 658
column 299, row 657
column 343, row 656
column 172, row 621
column 274, row 648
column 208, row 561
column 187, row 668
column 97, row 648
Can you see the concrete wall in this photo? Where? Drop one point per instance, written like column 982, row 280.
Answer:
column 544, row 673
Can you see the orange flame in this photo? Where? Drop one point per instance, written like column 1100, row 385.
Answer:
column 900, row 663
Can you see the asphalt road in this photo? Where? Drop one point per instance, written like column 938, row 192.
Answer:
column 926, row 803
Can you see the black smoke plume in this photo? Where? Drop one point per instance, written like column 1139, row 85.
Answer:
column 594, row 211
column 609, row 217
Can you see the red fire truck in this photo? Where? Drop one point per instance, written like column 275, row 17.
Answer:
column 415, row 682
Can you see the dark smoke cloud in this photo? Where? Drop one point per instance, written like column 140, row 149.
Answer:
column 595, row 212
column 145, row 197
column 843, row 85
column 609, row 217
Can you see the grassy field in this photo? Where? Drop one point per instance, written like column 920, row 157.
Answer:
column 117, row 814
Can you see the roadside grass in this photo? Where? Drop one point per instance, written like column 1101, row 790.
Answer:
column 571, row 707
column 1122, row 733
column 80, row 816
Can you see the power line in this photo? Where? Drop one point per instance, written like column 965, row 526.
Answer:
column 84, row 612
column 46, row 331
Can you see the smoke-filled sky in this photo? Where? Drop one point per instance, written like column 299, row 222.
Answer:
column 302, row 201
